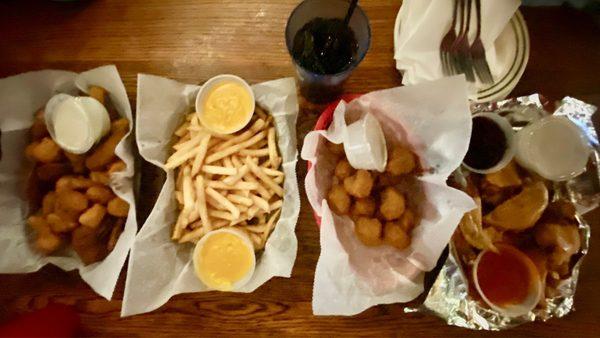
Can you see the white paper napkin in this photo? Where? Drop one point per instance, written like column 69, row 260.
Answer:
column 20, row 97
column 424, row 23
column 160, row 268
column 434, row 118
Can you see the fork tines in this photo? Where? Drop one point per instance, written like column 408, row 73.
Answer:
column 456, row 55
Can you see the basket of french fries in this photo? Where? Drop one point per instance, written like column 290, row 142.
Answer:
column 385, row 219
column 227, row 180
column 70, row 160
column 226, row 214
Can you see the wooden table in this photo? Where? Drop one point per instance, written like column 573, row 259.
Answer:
column 192, row 40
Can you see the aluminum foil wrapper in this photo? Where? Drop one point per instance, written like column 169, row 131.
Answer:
column 449, row 299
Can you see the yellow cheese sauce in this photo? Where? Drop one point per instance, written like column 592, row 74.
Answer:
column 223, row 260
column 227, row 107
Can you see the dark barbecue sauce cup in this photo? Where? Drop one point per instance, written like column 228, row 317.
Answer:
column 491, row 145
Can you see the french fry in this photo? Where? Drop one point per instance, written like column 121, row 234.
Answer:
column 188, row 190
column 276, row 205
column 235, row 186
column 179, row 157
column 214, row 204
column 217, row 170
column 221, row 215
column 201, row 203
column 242, row 171
column 260, row 202
column 236, row 147
column 189, row 144
column 235, row 212
column 255, row 152
column 260, row 228
column 259, row 188
column 179, row 196
column 271, row 224
column 238, row 199
column 193, row 235
column 198, row 160
column 272, row 172
column 272, row 148
column 256, row 170
column 256, row 126
column 227, row 163
column 256, row 241
column 183, row 129
column 260, row 113
column 236, row 161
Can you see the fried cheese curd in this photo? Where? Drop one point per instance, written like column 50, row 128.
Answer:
column 70, row 195
column 380, row 211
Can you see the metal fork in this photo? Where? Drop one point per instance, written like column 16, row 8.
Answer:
column 460, row 47
column 446, row 45
column 478, row 52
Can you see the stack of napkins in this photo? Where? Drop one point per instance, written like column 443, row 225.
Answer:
column 424, row 23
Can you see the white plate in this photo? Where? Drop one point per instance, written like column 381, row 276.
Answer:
column 512, row 47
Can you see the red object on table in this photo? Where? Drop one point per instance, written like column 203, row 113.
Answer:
column 55, row 320
column 323, row 123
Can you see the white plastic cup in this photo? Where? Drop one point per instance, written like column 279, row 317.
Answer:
column 553, row 147
column 510, row 144
column 535, row 291
column 364, row 144
column 205, row 90
column 76, row 123
column 247, row 242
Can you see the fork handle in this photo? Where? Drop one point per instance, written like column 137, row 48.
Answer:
column 462, row 17
column 478, row 13
column 469, row 2
column 454, row 12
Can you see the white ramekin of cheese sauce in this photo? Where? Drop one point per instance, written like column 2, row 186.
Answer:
column 224, row 259
column 225, row 104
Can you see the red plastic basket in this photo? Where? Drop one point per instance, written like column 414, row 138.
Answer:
column 323, row 123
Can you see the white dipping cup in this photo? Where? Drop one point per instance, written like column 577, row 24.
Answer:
column 535, row 291
column 206, row 88
column 553, row 147
column 76, row 123
column 364, row 144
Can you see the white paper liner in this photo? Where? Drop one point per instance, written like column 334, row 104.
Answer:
column 434, row 119
column 20, row 97
column 160, row 268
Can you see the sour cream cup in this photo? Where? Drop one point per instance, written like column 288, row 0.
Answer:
column 364, row 144
column 554, row 147
column 534, row 291
column 207, row 88
column 76, row 123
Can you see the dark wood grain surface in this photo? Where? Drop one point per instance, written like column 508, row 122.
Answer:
column 192, row 40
